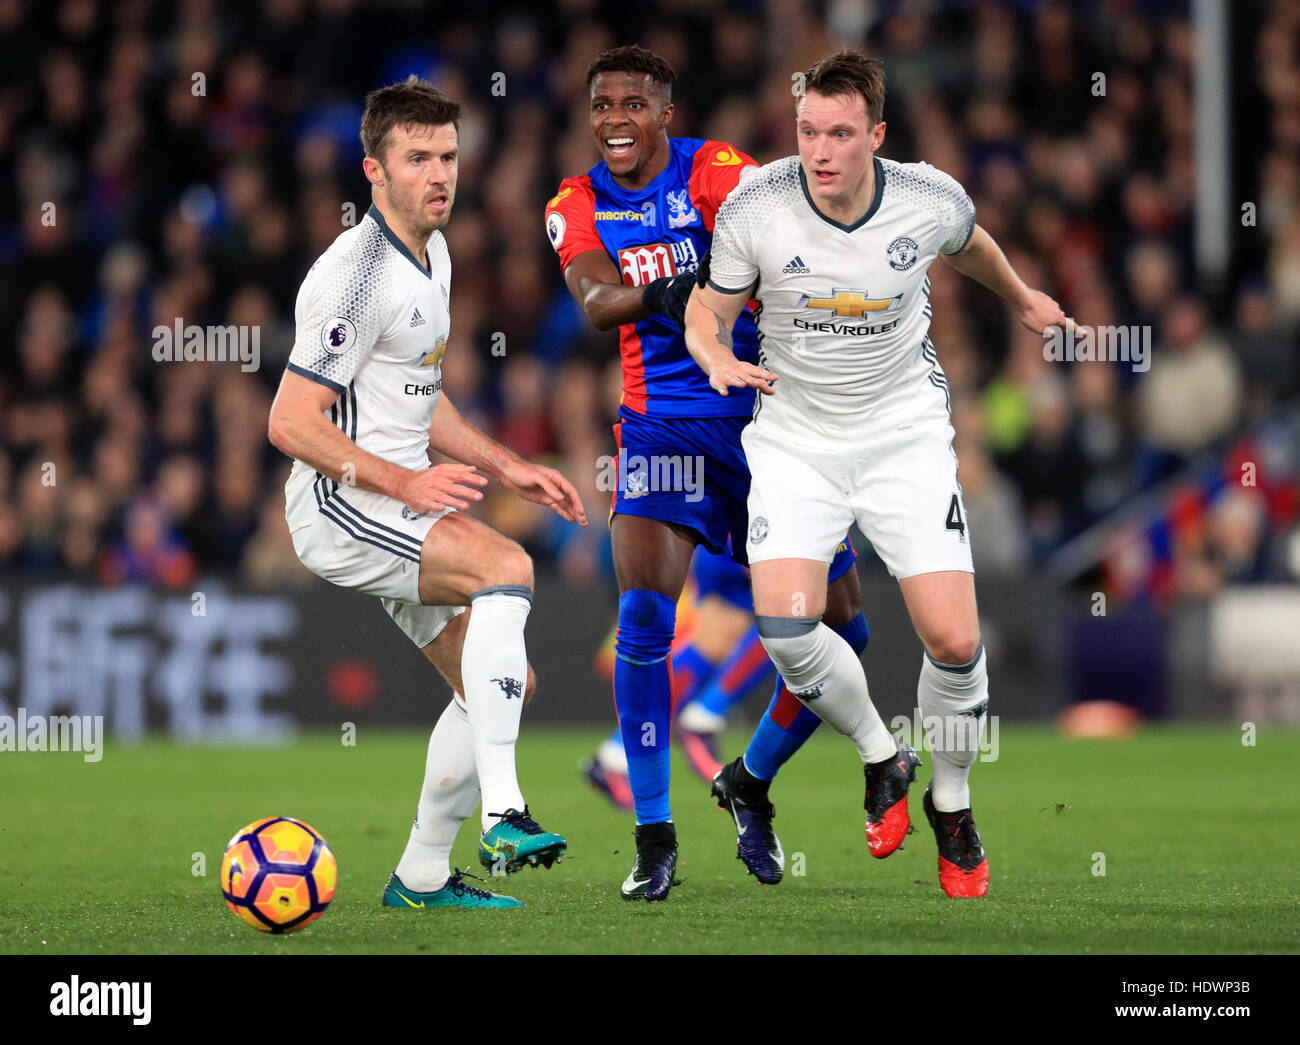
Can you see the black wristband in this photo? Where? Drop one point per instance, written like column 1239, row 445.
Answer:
column 652, row 296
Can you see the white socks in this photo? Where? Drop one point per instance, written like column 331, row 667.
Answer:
column 822, row 670
column 473, row 744
column 611, row 755
column 699, row 719
column 954, row 701
column 449, row 795
column 494, row 671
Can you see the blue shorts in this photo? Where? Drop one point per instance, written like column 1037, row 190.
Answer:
column 687, row 471
column 694, row 473
column 720, row 576
column 845, row 556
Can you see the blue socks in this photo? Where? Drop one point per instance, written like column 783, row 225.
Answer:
column 691, row 672
column 745, row 668
column 643, row 697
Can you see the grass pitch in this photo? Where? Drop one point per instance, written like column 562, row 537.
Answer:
column 1197, row 834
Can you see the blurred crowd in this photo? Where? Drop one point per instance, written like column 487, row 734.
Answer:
column 192, row 159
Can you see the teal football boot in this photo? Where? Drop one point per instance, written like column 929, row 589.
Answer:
column 456, row 893
column 516, row 841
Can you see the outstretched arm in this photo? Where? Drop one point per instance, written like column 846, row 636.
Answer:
column 983, row 261
column 608, row 302
column 452, row 435
column 710, row 317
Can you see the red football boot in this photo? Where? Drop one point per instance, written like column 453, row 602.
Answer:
column 963, row 867
column 886, row 800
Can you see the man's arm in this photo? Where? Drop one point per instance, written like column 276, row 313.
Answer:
column 710, row 318
column 983, row 261
column 298, row 427
column 595, row 284
column 452, row 435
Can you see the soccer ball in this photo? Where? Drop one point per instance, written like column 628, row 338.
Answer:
column 278, row 874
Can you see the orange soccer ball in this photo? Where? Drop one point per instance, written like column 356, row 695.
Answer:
column 278, row 874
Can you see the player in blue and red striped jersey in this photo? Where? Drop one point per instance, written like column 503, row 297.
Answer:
column 630, row 235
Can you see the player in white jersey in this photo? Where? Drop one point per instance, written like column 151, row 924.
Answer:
column 852, row 424
column 358, row 408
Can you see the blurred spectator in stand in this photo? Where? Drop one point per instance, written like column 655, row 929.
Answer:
column 133, row 196
column 993, row 513
column 149, row 551
column 1270, row 360
column 269, row 560
column 1230, row 548
column 1192, row 394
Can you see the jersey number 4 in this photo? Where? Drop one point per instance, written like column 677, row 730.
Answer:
column 955, row 521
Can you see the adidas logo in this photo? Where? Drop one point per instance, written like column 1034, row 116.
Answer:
column 796, row 267
column 417, row 320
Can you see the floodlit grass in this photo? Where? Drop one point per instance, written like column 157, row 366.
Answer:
column 1197, row 831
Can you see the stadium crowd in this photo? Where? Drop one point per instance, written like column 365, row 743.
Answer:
column 191, row 160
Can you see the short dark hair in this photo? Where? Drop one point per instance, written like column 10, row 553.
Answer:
column 851, row 72
column 633, row 59
column 413, row 101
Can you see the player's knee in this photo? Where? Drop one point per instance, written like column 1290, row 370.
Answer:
column 513, row 566
column 794, row 644
column 954, row 646
column 646, row 622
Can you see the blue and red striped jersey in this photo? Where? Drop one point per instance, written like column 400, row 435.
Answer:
column 661, row 230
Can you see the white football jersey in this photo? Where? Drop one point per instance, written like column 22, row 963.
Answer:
column 372, row 324
column 845, row 314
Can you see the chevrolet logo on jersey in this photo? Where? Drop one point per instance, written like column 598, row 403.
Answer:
column 852, row 303
column 434, row 358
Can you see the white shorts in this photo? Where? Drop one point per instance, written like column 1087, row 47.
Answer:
column 899, row 484
column 368, row 542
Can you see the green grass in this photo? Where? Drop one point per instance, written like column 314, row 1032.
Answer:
column 1198, row 832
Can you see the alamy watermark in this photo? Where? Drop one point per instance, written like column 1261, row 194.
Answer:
column 131, row 998
column 1099, row 344
column 23, row 732
column 948, row 733
column 658, row 473
column 180, row 343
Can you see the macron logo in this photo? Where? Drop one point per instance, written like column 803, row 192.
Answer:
column 101, row 999
column 417, row 320
column 796, row 267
